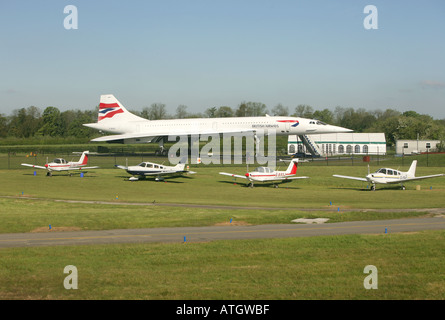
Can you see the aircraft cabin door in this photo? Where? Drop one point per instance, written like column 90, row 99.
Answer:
column 287, row 126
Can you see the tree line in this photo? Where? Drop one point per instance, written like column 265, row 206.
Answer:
column 32, row 122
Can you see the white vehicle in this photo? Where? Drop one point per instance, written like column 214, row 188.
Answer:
column 391, row 176
column 129, row 128
column 61, row 164
column 159, row 171
column 269, row 176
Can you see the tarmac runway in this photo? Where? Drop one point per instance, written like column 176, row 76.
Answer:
column 212, row 233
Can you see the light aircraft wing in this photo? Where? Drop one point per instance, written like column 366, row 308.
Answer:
column 291, row 178
column 166, row 173
column 417, row 178
column 352, row 178
column 232, row 175
column 34, row 166
column 80, row 168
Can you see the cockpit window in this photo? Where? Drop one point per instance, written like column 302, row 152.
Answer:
column 321, row 123
column 381, row 171
column 141, row 164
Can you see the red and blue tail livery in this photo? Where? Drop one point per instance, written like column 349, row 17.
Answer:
column 108, row 110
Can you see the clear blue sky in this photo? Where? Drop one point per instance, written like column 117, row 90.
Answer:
column 214, row 53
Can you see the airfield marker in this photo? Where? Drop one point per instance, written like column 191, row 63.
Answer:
column 35, row 173
column 330, row 203
column 230, row 220
column 386, row 230
column 49, row 227
column 338, row 209
column 185, row 240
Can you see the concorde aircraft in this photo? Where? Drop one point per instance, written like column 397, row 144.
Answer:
column 269, row 176
column 159, row 171
column 61, row 164
column 391, row 176
column 129, row 128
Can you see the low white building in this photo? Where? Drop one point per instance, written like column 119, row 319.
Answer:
column 416, row 146
column 338, row 144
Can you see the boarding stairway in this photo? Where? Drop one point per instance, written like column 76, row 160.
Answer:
column 310, row 146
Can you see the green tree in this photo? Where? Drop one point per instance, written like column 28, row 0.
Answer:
column 251, row 109
column 324, row 115
column 51, row 125
column 280, row 110
column 3, row 126
column 304, row 110
column 224, row 112
column 157, row 111
column 24, row 123
column 211, row 112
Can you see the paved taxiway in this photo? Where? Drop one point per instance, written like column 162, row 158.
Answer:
column 229, row 232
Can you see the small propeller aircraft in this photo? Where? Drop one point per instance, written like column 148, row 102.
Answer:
column 267, row 175
column 61, row 164
column 147, row 169
column 391, row 176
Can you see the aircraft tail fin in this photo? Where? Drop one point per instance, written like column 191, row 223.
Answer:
column 180, row 166
column 110, row 109
column 292, row 169
column 412, row 170
column 83, row 158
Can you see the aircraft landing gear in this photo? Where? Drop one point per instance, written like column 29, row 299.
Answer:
column 373, row 187
column 403, row 188
column 162, row 151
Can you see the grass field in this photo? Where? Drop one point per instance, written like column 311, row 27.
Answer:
column 410, row 265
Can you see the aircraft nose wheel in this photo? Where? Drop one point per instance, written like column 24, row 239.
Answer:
column 372, row 188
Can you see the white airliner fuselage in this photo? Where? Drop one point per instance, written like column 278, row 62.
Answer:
column 129, row 128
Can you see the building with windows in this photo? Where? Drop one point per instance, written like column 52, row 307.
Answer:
column 338, row 144
column 416, row 146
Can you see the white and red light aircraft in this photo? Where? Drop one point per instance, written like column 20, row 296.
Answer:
column 391, row 176
column 269, row 176
column 129, row 128
column 60, row 164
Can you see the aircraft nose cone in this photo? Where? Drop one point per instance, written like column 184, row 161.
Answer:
column 247, row 175
column 46, row 165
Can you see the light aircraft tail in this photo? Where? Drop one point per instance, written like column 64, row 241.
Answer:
column 180, row 166
column 412, row 170
column 292, row 169
column 110, row 109
column 83, row 158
